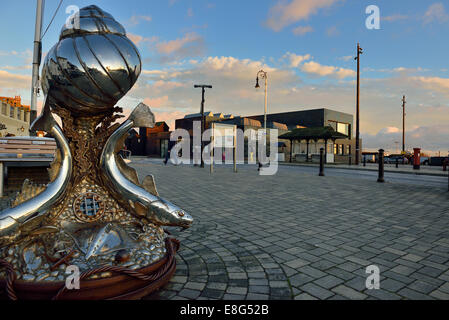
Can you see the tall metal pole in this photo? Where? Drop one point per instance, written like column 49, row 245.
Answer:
column 357, row 134
column 266, row 103
column 37, row 54
column 203, row 120
column 265, row 76
column 403, row 124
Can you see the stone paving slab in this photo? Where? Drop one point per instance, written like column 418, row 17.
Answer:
column 300, row 236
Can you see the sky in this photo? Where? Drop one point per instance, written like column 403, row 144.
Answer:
column 306, row 46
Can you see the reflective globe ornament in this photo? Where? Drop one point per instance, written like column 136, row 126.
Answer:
column 92, row 66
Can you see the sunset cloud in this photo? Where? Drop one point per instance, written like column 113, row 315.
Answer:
column 283, row 14
column 191, row 45
column 302, row 30
column 135, row 20
column 295, row 60
column 316, row 69
column 436, row 13
column 14, row 81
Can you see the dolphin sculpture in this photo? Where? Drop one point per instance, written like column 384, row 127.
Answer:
column 151, row 206
column 13, row 218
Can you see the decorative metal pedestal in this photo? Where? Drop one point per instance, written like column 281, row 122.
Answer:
column 95, row 215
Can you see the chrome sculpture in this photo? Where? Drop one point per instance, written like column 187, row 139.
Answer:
column 95, row 211
column 154, row 208
column 11, row 219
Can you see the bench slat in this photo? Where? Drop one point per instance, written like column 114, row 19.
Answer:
column 28, row 142
column 26, row 147
column 28, row 151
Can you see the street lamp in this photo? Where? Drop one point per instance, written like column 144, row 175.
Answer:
column 263, row 75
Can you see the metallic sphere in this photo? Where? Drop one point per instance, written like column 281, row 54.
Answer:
column 93, row 65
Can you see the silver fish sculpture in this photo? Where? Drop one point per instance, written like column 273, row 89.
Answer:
column 156, row 209
column 13, row 218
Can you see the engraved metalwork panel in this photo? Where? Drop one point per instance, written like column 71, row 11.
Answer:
column 89, row 207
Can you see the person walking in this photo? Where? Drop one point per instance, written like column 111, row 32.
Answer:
column 168, row 153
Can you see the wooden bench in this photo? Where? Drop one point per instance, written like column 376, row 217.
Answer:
column 24, row 152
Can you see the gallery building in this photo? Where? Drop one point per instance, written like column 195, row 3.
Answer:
column 328, row 129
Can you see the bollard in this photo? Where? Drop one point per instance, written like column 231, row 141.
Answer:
column 381, row 166
column 397, row 163
column 322, row 162
column 364, row 161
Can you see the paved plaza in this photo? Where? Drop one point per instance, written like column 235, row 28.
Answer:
column 299, row 236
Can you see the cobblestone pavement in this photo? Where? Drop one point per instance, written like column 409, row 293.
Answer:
column 300, row 236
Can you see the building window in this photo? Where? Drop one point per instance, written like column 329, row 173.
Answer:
column 348, row 149
column 11, row 112
column 335, row 148
column 343, row 128
column 341, row 150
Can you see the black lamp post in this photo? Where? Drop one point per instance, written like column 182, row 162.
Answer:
column 203, row 122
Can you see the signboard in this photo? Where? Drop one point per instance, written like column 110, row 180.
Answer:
column 224, row 135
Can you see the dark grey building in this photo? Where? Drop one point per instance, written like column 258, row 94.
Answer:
column 340, row 121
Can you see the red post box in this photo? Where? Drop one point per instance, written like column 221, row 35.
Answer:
column 417, row 158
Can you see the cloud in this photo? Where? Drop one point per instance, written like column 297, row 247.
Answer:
column 156, row 102
column 191, row 45
column 18, row 68
column 169, row 91
column 314, row 68
column 136, row 19
column 283, row 14
column 295, row 60
column 138, row 39
column 346, row 58
column 190, row 12
column 436, row 13
column 169, row 117
column 394, row 17
column 332, row 31
column 429, row 138
column 402, row 70
column 233, row 83
column 302, row 30
column 14, row 81
column 135, row 38
column 433, row 83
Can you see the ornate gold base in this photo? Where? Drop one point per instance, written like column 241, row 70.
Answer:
column 125, row 284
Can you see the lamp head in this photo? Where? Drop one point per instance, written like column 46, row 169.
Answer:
column 257, row 83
